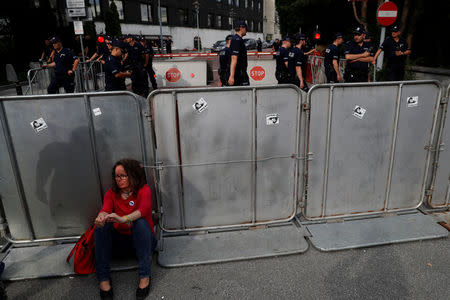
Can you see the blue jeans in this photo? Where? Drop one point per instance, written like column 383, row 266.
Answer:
column 108, row 241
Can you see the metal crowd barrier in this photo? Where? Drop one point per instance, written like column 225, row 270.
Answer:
column 56, row 154
column 316, row 69
column 240, row 172
column 89, row 77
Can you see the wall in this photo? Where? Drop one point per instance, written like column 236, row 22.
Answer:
column 183, row 37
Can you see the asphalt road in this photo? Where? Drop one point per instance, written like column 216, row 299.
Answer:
column 415, row 270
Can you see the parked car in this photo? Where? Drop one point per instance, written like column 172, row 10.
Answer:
column 218, row 46
column 250, row 44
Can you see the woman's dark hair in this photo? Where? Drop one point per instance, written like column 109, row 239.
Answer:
column 135, row 172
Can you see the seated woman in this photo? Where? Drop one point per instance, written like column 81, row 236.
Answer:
column 125, row 223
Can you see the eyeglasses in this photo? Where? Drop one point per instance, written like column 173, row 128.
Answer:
column 121, row 176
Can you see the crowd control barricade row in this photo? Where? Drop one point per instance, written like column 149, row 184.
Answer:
column 370, row 146
column 56, row 155
column 180, row 73
column 228, row 159
column 439, row 192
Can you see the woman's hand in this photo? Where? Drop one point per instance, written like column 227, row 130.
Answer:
column 115, row 218
column 101, row 219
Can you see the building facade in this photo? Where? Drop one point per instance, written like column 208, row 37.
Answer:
column 271, row 26
column 179, row 18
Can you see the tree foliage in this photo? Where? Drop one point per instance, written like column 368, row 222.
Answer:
column 112, row 21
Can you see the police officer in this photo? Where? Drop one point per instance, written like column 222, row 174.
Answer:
column 65, row 64
column 358, row 56
column 259, row 45
column 296, row 64
column 103, row 49
column 331, row 60
column 168, row 43
column 238, row 65
column 149, row 65
column 275, row 47
column 114, row 71
column 225, row 61
column 396, row 49
column 135, row 59
column 282, row 59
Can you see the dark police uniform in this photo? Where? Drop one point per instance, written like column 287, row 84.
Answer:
column 395, row 64
column 356, row 71
column 139, row 78
column 276, row 45
column 224, row 69
column 237, row 47
column 296, row 59
column 64, row 60
column 282, row 72
column 151, row 73
column 113, row 66
column 331, row 53
column 259, row 45
column 103, row 52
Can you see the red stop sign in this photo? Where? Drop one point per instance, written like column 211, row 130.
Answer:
column 257, row 73
column 387, row 13
column 173, row 75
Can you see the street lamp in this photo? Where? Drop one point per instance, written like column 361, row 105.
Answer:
column 197, row 10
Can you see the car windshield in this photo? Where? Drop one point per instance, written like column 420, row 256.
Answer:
column 220, row 43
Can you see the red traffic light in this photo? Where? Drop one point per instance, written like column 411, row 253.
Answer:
column 317, row 36
column 101, row 39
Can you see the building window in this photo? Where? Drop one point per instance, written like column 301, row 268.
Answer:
column 252, row 4
column 230, row 2
column 210, row 20
column 163, row 14
column 230, row 21
column 237, row 3
column 119, row 5
column 146, row 13
column 94, row 8
column 219, row 21
column 182, row 16
column 259, row 26
column 246, row 3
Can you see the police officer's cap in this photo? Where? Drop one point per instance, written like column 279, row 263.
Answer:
column 395, row 28
column 117, row 44
column 300, row 37
column 286, row 38
column 241, row 24
column 229, row 37
column 142, row 38
column 108, row 37
column 55, row 40
column 358, row 30
column 338, row 35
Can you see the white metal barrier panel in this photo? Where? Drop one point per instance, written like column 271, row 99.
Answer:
column 262, row 72
column 180, row 73
column 56, row 156
column 370, row 147
column 440, row 191
column 228, row 157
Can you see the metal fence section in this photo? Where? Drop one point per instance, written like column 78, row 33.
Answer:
column 439, row 194
column 180, row 73
column 371, row 147
column 89, row 77
column 56, row 156
column 228, row 156
column 316, row 69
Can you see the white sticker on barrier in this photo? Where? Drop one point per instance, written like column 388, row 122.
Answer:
column 412, row 101
column 200, row 105
column 39, row 125
column 97, row 111
column 272, row 119
column 359, row 112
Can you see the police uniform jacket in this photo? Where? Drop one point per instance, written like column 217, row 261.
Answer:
column 331, row 53
column 282, row 56
column 296, row 59
column 237, row 47
column 63, row 61
column 225, row 61
column 353, row 48
column 112, row 67
column 135, row 53
column 389, row 46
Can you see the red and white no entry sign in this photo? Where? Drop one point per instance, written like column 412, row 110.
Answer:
column 387, row 13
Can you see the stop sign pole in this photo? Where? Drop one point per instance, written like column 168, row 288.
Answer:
column 385, row 18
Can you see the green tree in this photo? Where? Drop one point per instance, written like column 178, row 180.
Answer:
column 112, row 21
